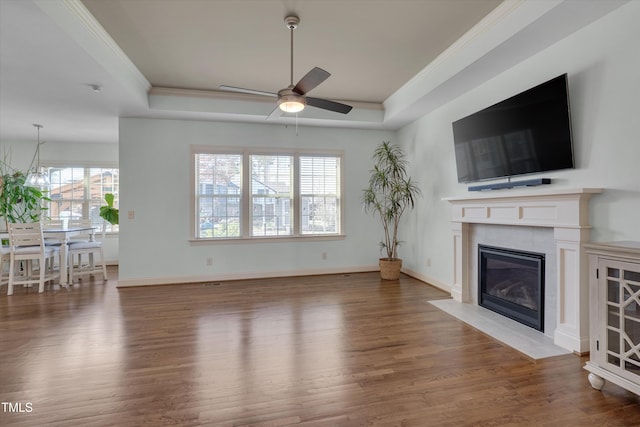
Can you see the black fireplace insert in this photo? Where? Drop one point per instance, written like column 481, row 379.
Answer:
column 511, row 282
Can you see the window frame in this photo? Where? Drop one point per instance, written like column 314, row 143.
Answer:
column 252, row 195
column 301, row 195
column 194, row 193
column 86, row 202
column 246, row 196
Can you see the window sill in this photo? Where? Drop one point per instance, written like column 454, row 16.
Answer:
column 270, row 239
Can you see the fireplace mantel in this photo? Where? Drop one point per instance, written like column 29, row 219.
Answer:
column 564, row 210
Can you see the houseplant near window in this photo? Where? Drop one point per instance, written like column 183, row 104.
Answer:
column 390, row 193
column 108, row 212
column 19, row 202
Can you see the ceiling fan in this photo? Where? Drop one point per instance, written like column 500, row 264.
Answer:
column 293, row 99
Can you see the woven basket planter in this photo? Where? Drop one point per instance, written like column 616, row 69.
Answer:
column 390, row 268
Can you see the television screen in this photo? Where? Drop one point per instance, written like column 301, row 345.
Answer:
column 527, row 133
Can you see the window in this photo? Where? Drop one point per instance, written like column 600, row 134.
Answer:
column 218, row 195
column 319, row 194
column 78, row 193
column 271, row 195
column 262, row 194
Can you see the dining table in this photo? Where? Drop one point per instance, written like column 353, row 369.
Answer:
column 64, row 235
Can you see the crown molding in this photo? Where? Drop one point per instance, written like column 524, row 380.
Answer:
column 75, row 19
column 511, row 33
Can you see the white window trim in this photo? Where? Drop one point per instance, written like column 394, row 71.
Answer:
column 246, row 152
column 81, row 164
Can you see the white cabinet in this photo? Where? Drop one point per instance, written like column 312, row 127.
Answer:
column 614, row 293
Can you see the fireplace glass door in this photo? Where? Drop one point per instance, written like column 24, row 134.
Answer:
column 511, row 283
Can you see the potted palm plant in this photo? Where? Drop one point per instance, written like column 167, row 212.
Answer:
column 389, row 194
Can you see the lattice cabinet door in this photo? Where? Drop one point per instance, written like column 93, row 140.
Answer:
column 622, row 340
column 615, row 313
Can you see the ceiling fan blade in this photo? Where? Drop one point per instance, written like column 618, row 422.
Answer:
column 312, row 79
column 249, row 91
column 325, row 104
column 277, row 112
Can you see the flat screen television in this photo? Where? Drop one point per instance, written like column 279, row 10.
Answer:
column 525, row 134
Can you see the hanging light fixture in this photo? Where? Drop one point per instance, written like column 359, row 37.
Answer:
column 35, row 177
column 288, row 100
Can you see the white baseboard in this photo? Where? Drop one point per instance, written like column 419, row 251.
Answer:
column 430, row 280
column 178, row 280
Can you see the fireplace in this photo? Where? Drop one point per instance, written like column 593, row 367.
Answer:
column 563, row 210
column 511, row 283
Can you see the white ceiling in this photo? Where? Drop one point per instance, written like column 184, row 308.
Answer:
column 393, row 60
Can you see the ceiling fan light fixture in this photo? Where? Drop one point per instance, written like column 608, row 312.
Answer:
column 293, row 98
column 291, row 106
column 291, row 102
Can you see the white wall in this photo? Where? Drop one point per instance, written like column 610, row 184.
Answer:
column 154, row 183
column 56, row 152
column 603, row 65
column 21, row 154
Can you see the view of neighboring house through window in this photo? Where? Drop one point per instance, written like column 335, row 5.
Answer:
column 249, row 194
column 271, row 197
column 219, row 183
column 78, row 193
column 319, row 194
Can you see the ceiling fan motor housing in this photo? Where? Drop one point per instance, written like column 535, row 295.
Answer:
column 293, row 98
column 290, row 101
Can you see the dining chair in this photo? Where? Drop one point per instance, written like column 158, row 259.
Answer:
column 85, row 244
column 26, row 248
column 4, row 262
column 86, row 236
column 48, row 224
column 52, row 224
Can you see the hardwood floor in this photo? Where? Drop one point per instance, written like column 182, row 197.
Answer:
column 337, row 350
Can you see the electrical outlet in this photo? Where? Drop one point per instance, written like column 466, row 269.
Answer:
column 131, row 214
column 428, row 262
column 209, row 261
column 324, row 256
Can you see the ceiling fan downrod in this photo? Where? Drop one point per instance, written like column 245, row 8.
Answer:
column 291, row 22
column 293, row 98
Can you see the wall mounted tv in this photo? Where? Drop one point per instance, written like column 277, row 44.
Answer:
column 527, row 133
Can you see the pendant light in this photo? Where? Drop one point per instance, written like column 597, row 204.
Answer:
column 35, row 177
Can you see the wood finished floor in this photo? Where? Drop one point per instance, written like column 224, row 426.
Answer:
column 338, row 350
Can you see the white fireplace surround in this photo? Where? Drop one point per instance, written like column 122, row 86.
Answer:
column 564, row 210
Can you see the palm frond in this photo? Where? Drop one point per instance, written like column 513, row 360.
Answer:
column 390, row 192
